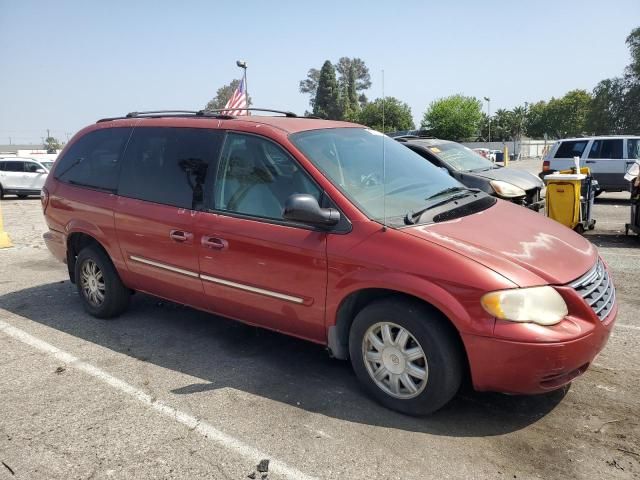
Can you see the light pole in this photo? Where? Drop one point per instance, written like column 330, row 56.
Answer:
column 243, row 65
column 488, row 100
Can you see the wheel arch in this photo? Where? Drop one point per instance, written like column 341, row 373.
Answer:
column 76, row 242
column 352, row 304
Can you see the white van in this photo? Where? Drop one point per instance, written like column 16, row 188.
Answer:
column 22, row 176
column 608, row 157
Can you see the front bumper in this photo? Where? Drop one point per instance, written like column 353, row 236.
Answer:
column 521, row 367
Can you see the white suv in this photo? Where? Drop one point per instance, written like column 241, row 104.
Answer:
column 608, row 157
column 22, row 176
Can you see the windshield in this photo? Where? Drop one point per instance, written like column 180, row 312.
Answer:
column 47, row 165
column 460, row 157
column 352, row 158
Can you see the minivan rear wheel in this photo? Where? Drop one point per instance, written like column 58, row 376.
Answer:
column 102, row 292
column 406, row 356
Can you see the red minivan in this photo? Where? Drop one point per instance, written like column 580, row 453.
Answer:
column 334, row 233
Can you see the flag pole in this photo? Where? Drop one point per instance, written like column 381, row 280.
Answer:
column 243, row 65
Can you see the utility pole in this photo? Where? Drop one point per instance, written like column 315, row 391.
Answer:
column 488, row 100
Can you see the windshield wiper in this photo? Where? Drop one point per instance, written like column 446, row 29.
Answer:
column 458, row 192
column 448, row 190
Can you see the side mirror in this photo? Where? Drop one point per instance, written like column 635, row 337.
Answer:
column 304, row 208
column 633, row 171
column 41, row 170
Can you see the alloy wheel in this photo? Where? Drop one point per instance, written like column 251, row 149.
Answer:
column 92, row 283
column 395, row 360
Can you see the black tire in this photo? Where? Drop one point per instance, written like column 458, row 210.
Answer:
column 1, row 193
column 597, row 193
column 115, row 295
column 432, row 332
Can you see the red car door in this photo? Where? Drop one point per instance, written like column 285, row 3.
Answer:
column 254, row 266
column 160, row 191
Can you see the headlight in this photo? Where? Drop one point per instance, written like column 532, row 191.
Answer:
column 505, row 189
column 541, row 305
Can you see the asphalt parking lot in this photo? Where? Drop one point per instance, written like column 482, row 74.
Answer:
column 169, row 392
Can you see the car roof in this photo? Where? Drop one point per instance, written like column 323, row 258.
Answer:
column 286, row 124
column 597, row 137
column 22, row 159
column 425, row 142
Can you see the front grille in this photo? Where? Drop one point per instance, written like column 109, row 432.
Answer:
column 597, row 289
column 532, row 195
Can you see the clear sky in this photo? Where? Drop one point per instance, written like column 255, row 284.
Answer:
column 65, row 63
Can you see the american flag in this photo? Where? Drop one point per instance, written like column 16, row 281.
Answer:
column 237, row 102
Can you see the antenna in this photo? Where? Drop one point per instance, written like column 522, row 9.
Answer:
column 384, row 166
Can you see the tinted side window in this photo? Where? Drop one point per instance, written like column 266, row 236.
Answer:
column 169, row 165
column 606, row 149
column 571, row 149
column 31, row 167
column 255, row 177
column 2, row 165
column 633, row 148
column 15, row 167
column 94, row 160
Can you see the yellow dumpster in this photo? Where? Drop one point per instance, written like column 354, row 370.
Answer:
column 569, row 198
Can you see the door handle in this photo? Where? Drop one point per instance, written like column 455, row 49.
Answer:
column 590, row 161
column 180, row 236
column 214, row 243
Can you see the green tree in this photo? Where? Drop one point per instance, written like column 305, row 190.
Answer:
column 310, row 84
column 633, row 42
column 536, row 121
column 567, row 116
column 397, row 115
column 327, row 101
column 223, row 95
column 52, row 145
column 360, row 71
column 454, row 118
column 346, row 83
column 606, row 113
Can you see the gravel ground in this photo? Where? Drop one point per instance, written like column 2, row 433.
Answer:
column 169, row 392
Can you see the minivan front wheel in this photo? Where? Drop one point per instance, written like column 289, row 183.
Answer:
column 406, row 356
column 101, row 290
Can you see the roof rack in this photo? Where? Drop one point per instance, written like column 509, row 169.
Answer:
column 217, row 113
column 168, row 113
column 283, row 112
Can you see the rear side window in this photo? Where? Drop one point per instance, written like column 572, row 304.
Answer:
column 570, row 149
column 633, row 148
column 94, row 160
column 14, row 167
column 2, row 164
column 606, row 149
column 169, row 165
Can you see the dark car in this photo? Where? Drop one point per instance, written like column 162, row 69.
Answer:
column 475, row 171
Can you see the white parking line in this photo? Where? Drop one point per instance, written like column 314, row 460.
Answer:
column 203, row 428
column 632, row 327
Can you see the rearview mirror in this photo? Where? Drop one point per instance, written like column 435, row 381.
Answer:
column 304, row 208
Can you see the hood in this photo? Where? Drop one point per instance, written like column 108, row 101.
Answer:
column 519, row 244
column 519, row 178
